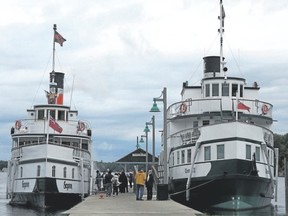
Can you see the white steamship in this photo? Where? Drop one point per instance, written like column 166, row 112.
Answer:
column 50, row 164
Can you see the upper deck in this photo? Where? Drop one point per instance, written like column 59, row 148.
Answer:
column 39, row 120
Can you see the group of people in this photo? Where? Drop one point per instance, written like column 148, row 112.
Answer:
column 118, row 183
column 113, row 183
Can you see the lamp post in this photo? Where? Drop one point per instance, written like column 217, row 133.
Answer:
column 156, row 109
column 152, row 122
column 141, row 141
column 137, row 145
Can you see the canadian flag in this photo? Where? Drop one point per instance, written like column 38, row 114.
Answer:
column 53, row 124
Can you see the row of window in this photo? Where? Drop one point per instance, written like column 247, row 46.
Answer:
column 72, row 142
column 56, row 114
column 38, row 172
column 181, row 155
column 224, row 90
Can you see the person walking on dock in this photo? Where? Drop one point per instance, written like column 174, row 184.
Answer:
column 140, row 179
column 149, row 185
column 124, row 182
column 98, row 180
column 108, row 182
column 115, row 184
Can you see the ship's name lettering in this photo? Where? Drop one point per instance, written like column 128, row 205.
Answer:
column 25, row 184
column 67, row 185
column 187, row 170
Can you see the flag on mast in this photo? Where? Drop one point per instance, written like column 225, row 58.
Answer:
column 58, row 38
column 53, row 124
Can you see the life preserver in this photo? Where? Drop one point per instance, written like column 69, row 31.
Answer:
column 183, row 108
column 264, row 109
column 81, row 126
column 18, row 125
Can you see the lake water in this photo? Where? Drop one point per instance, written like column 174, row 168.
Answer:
column 277, row 209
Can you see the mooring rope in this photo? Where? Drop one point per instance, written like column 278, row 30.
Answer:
column 192, row 187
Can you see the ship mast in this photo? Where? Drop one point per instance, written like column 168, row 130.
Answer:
column 56, row 86
column 221, row 31
column 53, row 61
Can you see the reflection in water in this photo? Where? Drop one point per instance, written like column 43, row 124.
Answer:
column 267, row 211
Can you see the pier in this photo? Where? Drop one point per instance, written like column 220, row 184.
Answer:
column 126, row 204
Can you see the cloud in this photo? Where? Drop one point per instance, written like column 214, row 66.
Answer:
column 120, row 54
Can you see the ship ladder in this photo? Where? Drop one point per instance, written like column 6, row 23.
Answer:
column 188, row 184
column 264, row 148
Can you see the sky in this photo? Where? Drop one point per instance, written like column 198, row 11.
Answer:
column 119, row 55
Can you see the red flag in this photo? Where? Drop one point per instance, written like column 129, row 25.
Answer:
column 58, row 38
column 53, row 124
column 243, row 106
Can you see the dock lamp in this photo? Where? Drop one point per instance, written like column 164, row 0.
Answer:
column 152, row 122
column 163, row 98
column 142, row 141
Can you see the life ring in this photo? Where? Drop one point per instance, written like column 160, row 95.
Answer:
column 81, row 126
column 264, row 109
column 18, row 125
column 183, row 108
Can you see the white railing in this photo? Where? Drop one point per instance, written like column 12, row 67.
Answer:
column 201, row 106
column 40, row 126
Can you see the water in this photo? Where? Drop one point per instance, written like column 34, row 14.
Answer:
column 277, row 209
column 8, row 210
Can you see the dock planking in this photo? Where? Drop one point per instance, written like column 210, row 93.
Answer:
column 126, row 204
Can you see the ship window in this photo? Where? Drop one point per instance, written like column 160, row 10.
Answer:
column 215, row 89
column 241, row 90
column 41, row 114
column 21, row 172
column 178, row 157
column 225, row 89
column 220, row 151
column 61, row 115
column 189, row 155
column 207, row 153
column 85, row 144
column 53, row 171
column 64, row 172
column 183, row 156
column 234, row 89
column 38, row 170
column 73, row 173
column 205, row 122
column 207, row 90
column 173, row 161
column 195, row 124
column 52, row 113
column 248, row 152
column 257, row 153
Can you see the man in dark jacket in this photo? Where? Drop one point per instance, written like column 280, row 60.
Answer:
column 149, row 185
column 108, row 183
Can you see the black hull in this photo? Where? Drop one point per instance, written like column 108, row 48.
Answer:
column 46, row 195
column 228, row 192
column 42, row 200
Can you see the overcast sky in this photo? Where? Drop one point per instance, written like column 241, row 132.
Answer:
column 121, row 53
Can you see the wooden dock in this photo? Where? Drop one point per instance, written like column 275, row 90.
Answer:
column 126, row 204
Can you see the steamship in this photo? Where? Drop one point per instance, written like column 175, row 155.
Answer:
column 220, row 141
column 50, row 164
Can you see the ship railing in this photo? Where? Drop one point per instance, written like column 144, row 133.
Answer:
column 79, row 153
column 41, row 126
column 213, row 105
column 196, row 106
